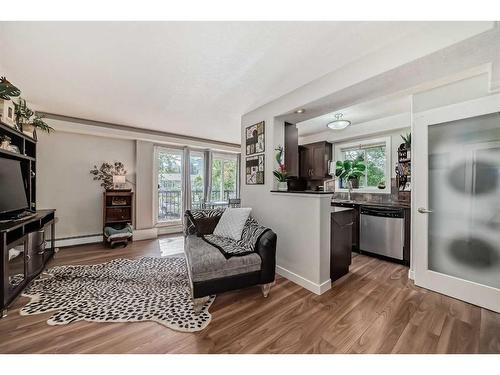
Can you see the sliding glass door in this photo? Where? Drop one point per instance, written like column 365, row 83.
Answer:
column 197, row 178
column 224, row 174
column 177, row 191
column 169, row 175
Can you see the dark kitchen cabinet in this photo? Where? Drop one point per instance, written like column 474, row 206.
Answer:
column 355, row 219
column 340, row 242
column 313, row 160
column 292, row 149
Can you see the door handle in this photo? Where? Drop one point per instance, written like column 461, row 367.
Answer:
column 424, row 210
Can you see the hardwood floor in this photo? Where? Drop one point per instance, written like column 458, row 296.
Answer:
column 373, row 309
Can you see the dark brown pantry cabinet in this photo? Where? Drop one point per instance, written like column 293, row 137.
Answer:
column 313, row 160
column 340, row 241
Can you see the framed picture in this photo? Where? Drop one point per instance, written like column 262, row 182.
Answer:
column 255, row 138
column 255, row 168
column 7, row 113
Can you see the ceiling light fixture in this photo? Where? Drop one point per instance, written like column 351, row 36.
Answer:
column 338, row 123
column 299, row 111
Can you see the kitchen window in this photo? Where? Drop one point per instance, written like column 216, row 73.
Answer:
column 376, row 156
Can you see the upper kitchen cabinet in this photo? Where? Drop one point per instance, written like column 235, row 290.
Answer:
column 313, row 160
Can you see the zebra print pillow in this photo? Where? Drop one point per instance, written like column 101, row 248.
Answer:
column 250, row 236
column 201, row 222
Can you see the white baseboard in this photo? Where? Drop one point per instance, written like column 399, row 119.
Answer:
column 65, row 242
column 140, row 234
column 145, row 234
column 303, row 282
column 411, row 274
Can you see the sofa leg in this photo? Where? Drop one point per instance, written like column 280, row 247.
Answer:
column 198, row 303
column 266, row 288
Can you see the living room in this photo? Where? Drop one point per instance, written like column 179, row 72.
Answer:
column 244, row 187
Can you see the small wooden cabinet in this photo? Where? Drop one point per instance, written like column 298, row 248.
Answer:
column 117, row 209
column 313, row 160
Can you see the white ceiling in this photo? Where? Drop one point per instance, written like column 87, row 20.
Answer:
column 191, row 78
column 357, row 114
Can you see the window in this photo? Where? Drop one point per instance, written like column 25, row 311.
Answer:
column 224, row 172
column 172, row 183
column 197, row 175
column 169, row 172
column 376, row 156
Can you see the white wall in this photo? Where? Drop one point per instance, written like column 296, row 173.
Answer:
column 66, row 156
column 144, row 188
column 64, row 182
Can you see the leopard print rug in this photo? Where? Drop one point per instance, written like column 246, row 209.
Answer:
column 123, row 290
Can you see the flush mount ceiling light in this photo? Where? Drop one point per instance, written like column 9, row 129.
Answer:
column 299, row 111
column 338, row 123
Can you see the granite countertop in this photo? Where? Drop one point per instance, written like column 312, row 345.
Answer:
column 302, row 192
column 378, row 204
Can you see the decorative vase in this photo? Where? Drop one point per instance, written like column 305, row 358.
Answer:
column 282, row 186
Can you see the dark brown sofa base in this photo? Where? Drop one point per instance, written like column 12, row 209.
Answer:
column 225, row 284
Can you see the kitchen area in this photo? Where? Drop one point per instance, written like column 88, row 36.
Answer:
column 368, row 213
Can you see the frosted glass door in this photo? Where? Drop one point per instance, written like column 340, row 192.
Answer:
column 464, row 197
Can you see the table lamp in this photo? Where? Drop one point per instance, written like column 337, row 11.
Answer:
column 119, row 182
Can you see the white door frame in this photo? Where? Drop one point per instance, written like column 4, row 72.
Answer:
column 477, row 294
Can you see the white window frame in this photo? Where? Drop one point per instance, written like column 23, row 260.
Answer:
column 365, row 143
column 225, row 157
column 198, row 153
column 159, row 223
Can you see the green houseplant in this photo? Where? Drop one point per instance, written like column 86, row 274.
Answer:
column 281, row 174
column 106, row 171
column 407, row 140
column 349, row 171
column 28, row 120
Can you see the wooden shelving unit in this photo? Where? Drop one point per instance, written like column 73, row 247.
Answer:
column 403, row 173
column 31, row 234
column 27, row 156
column 117, row 209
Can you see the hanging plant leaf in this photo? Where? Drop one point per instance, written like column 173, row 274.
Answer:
column 7, row 89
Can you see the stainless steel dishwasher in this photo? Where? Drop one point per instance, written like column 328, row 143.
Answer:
column 382, row 231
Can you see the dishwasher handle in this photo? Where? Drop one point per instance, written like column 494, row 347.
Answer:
column 382, row 212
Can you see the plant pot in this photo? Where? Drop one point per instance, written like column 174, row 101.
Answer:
column 354, row 183
column 282, row 186
column 29, row 129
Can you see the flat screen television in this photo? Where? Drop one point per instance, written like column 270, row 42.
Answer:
column 13, row 195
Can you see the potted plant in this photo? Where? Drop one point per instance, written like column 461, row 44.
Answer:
column 106, row 172
column 281, row 173
column 350, row 171
column 407, row 141
column 28, row 120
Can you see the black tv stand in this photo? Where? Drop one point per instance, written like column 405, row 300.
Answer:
column 12, row 217
column 24, row 253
